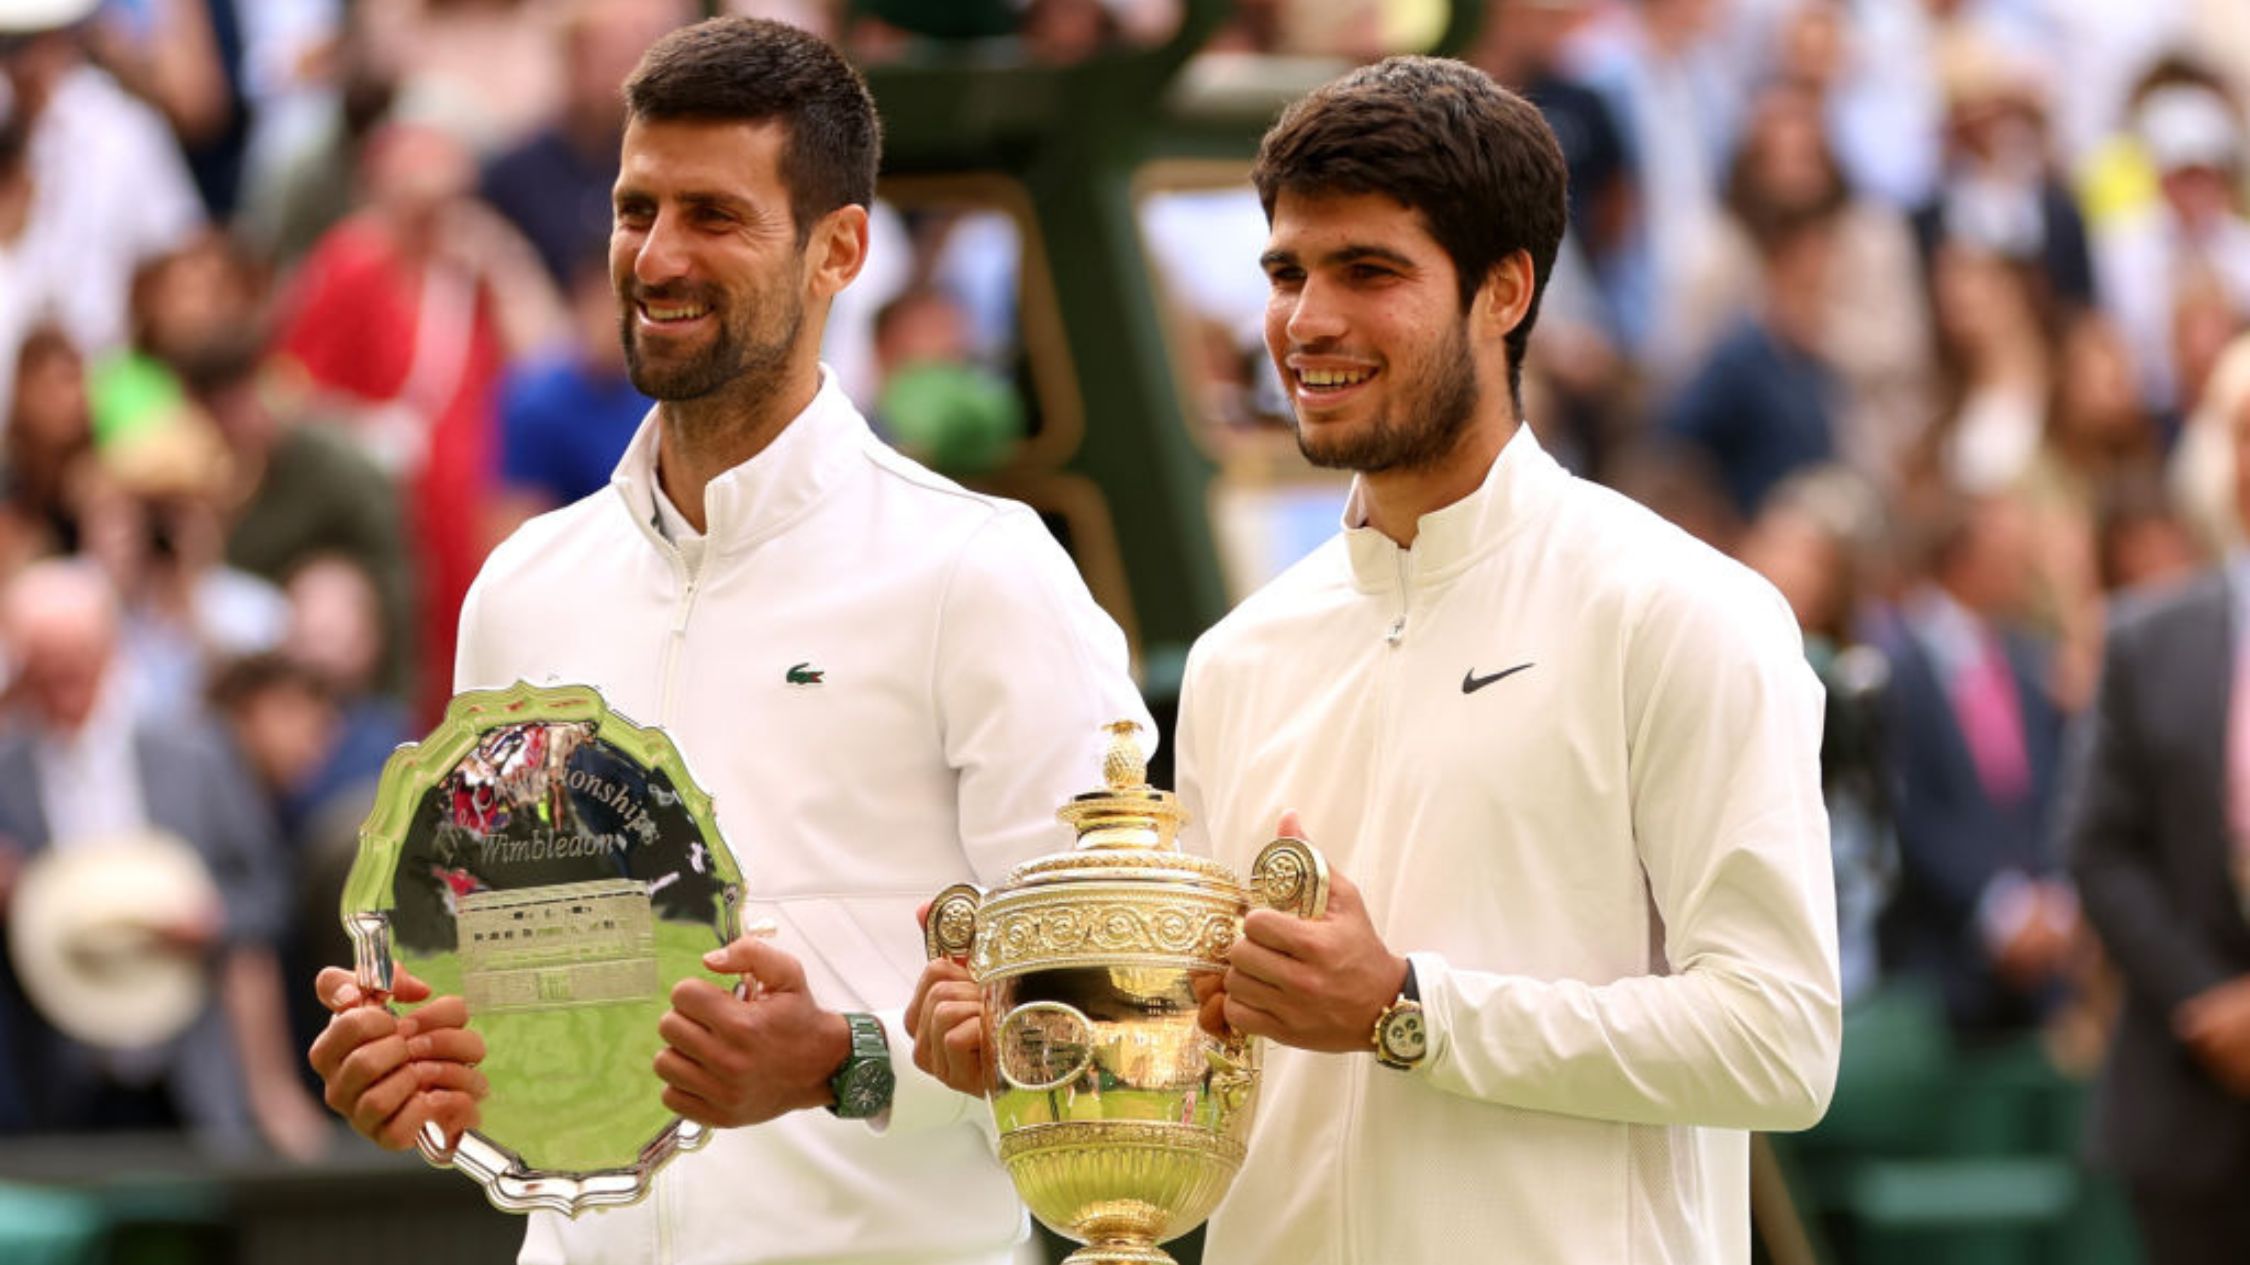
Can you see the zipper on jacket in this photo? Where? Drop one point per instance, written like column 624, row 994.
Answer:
column 677, row 639
column 1397, row 632
column 1388, row 668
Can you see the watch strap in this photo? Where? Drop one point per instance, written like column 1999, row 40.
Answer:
column 1401, row 1036
column 863, row 1085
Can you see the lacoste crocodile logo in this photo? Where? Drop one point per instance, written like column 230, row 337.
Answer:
column 1471, row 682
column 805, row 674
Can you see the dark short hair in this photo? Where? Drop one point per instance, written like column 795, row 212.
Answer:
column 754, row 71
column 1475, row 160
column 241, row 681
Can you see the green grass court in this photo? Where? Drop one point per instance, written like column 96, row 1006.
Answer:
column 573, row 1088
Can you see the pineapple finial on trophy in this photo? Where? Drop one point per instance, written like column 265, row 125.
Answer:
column 1125, row 811
column 1124, row 765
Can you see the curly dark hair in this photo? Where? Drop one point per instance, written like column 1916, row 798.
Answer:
column 1475, row 160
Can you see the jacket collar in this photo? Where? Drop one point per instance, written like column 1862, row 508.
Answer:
column 764, row 495
column 1523, row 479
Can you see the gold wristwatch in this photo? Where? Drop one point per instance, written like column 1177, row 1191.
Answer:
column 1400, row 1037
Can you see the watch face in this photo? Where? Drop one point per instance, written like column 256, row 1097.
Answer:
column 866, row 1091
column 1404, row 1038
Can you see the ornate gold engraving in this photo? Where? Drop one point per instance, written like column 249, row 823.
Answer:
column 1080, row 932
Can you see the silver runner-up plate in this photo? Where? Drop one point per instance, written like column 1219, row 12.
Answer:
column 552, row 863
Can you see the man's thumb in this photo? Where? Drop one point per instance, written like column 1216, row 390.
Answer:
column 753, row 957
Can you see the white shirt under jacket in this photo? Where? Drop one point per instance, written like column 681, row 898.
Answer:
column 965, row 675
column 1610, row 869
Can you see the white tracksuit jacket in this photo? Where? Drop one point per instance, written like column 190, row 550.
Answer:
column 1610, row 868
column 964, row 676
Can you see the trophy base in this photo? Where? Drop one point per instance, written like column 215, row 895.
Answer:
column 1115, row 1253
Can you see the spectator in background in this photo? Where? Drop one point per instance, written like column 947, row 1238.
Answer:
column 935, row 402
column 2204, row 321
column 1886, row 109
column 298, row 489
column 2193, row 234
column 2158, row 831
column 154, row 523
column 317, row 727
column 1521, row 46
column 2201, row 471
column 2000, row 192
column 336, row 634
column 318, row 693
column 1067, row 32
column 2097, row 436
column 2117, row 177
column 81, row 767
column 2141, row 541
column 108, row 187
column 406, row 314
column 1763, row 405
column 1874, row 328
column 185, row 58
column 1982, row 914
column 1671, row 86
column 1995, row 339
column 180, row 298
column 567, row 412
column 304, row 182
column 318, row 765
column 336, row 628
column 554, row 186
column 492, row 66
column 48, row 442
column 290, row 52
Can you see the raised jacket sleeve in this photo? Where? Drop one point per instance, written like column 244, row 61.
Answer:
column 1742, row 1027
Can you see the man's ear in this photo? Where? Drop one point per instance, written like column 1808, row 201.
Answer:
column 1504, row 298
column 836, row 250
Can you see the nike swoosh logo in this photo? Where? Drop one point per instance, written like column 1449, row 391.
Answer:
column 1471, row 682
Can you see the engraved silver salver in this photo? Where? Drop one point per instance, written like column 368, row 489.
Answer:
column 553, row 864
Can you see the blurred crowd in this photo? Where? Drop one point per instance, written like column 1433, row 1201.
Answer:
column 1933, row 311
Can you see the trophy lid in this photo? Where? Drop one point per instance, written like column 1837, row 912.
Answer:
column 1126, row 830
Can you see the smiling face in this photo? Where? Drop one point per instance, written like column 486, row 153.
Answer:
column 1365, row 324
column 705, row 256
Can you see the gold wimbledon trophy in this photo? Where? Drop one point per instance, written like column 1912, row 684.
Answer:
column 1122, row 1122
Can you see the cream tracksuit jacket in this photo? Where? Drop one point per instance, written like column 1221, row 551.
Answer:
column 963, row 674
column 1572, row 758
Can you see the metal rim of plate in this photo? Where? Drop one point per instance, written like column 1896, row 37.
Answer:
column 412, row 772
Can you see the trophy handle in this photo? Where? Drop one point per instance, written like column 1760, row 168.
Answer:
column 1043, row 1045
column 951, row 929
column 430, row 1141
column 372, row 962
column 1290, row 875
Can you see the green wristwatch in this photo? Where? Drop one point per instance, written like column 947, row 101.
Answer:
column 1401, row 1038
column 863, row 1085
